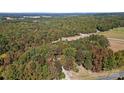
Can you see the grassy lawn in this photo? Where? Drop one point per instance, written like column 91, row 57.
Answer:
column 114, row 33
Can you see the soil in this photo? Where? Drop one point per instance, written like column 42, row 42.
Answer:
column 116, row 44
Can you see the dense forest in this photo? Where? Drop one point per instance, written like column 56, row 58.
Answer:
column 27, row 51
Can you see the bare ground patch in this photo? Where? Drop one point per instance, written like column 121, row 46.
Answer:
column 84, row 74
column 116, row 45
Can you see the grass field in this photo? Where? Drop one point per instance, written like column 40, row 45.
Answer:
column 116, row 38
column 117, row 33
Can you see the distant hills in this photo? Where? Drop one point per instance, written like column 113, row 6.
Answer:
column 61, row 14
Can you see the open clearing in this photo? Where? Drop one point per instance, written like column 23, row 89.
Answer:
column 116, row 45
column 117, row 33
column 116, row 38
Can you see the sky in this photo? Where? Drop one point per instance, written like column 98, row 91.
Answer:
column 61, row 6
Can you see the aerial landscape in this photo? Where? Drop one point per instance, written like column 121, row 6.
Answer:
column 62, row 46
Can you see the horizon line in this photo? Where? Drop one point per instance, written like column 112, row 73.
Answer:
column 56, row 12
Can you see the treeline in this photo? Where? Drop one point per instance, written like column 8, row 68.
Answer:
column 106, row 23
column 47, row 60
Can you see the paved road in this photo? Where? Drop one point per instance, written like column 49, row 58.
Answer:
column 113, row 76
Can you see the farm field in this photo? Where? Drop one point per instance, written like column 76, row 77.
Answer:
column 116, row 38
column 117, row 33
column 116, row 45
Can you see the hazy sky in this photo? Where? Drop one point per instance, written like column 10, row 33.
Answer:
column 61, row 6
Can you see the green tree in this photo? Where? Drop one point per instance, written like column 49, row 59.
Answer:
column 87, row 63
column 3, row 44
column 69, row 52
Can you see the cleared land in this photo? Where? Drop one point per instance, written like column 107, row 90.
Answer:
column 116, row 38
column 117, row 33
column 116, row 45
